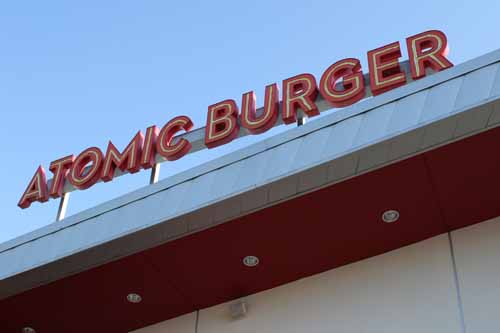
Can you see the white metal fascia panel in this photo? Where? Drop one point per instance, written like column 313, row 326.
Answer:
column 407, row 111
column 352, row 140
column 374, row 124
column 341, row 136
column 255, row 167
column 310, row 148
column 226, row 178
column 476, row 86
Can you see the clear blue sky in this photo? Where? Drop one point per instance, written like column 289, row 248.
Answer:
column 74, row 74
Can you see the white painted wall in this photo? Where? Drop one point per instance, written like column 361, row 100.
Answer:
column 477, row 254
column 182, row 324
column 409, row 290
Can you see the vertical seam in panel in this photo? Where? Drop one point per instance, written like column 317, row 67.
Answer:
column 318, row 155
column 453, row 102
column 355, row 136
column 197, row 321
column 238, row 167
column 353, row 142
column 460, row 89
column 435, row 192
column 292, row 159
column 489, row 116
column 457, row 284
column 494, row 80
column 169, row 281
column 452, row 251
column 419, row 112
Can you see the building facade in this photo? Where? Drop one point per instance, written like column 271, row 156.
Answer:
column 378, row 217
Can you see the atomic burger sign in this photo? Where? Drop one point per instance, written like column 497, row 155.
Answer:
column 224, row 119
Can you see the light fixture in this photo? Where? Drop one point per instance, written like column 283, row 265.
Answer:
column 238, row 309
column 134, row 298
column 28, row 330
column 250, row 261
column 390, row 216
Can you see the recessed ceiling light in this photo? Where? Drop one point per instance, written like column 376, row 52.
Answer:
column 390, row 216
column 28, row 330
column 134, row 298
column 250, row 261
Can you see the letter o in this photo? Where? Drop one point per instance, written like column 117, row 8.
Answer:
column 81, row 179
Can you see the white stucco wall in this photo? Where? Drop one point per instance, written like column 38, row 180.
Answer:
column 411, row 289
column 182, row 324
column 477, row 253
